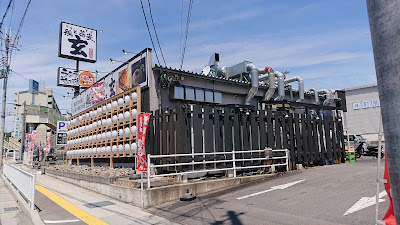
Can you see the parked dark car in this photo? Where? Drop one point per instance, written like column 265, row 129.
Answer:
column 51, row 156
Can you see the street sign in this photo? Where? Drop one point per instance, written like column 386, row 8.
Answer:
column 62, row 127
column 78, row 43
column 61, row 139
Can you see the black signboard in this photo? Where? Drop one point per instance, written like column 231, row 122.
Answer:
column 61, row 138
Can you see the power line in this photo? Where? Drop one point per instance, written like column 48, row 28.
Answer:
column 152, row 21
column 187, row 31
column 180, row 40
column 5, row 14
column 148, row 29
column 20, row 75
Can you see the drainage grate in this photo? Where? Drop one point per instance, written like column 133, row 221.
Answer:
column 10, row 209
column 99, row 204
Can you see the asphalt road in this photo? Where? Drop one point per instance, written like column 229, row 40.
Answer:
column 318, row 195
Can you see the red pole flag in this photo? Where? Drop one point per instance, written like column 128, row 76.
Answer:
column 48, row 144
column 389, row 218
column 143, row 119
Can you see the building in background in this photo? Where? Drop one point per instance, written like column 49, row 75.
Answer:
column 363, row 111
column 42, row 112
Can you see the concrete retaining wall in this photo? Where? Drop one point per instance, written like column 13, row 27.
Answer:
column 95, row 179
column 159, row 195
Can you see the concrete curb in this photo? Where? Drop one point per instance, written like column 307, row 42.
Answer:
column 32, row 214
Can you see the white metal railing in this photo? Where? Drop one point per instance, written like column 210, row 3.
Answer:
column 204, row 162
column 23, row 181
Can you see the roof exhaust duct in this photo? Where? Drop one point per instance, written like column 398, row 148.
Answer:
column 316, row 96
column 301, row 86
column 281, row 86
column 271, row 86
column 254, row 73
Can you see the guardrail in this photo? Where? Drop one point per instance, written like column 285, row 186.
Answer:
column 23, row 181
column 233, row 160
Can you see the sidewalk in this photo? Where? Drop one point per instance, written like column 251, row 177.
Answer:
column 10, row 212
column 82, row 203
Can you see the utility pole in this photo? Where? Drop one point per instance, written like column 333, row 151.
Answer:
column 384, row 23
column 23, row 132
column 3, row 105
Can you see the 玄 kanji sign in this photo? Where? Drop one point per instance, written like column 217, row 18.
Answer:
column 78, row 43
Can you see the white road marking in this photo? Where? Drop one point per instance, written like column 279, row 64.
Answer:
column 365, row 202
column 60, row 221
column 279, row 187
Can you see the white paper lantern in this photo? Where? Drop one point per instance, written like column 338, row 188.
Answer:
column 103, row 122
column 127, row 131
column 108, row 135
column 120, row 132
column 99, row 123
column 127, row 100
column 120, row 149
column 120, row 102
column 90, row 138
column 103, row 136
column 108, row 149
column 114, row 104
column 95, row 112
column 134, row 113
column 99, row 111
column 103, row 149
column 90, row 151
column 90, row 126
column 108, row 107
column 98, row 137
column 127, row 116
column 108, row 121
column 94, row 125
column 114, row 134
column 114, row 149
column 134, row 97
column 91, row 113
column 133, row 130
column 133, row 147
column 127, row 147
column 120, row 117
column 80, row 118
column 115, row 119
column 104, row 109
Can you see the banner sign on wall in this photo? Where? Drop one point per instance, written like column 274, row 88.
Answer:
column 98, row 92
column 78, row 43
column 143, row 119
column 134, row 72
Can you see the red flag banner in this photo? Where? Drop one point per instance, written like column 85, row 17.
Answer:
column 143, row 121
column 48, row 144
column 98, row 92
column 389, row 218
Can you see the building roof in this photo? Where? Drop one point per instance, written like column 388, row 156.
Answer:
column 361, row 87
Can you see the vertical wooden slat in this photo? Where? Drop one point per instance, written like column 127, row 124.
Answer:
column 328, row 141
column 304, row 135
column 208, row 134
column 228, row 140
column 334, row 139
column 310, row 140
column 263, row 131
column 315, row 139
column 285, row 143
column 291, row 138
column 277, row 127
column 270, row 131
column 299, row 146
column 320, row 123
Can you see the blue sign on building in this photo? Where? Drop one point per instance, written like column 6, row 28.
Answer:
column 33, row 86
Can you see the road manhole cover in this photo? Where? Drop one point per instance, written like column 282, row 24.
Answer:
column 10, row 209
column 99, row 204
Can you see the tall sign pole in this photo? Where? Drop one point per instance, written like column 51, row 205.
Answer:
column 384, row 22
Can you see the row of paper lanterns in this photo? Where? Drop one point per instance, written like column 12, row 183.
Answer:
column 104, row 150
column 106, row 108
column 104, row 136
column 105, row 122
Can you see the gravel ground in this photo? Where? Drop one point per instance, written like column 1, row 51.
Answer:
column 94, row 171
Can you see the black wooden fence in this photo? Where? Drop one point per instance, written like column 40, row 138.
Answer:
column 201, row 128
